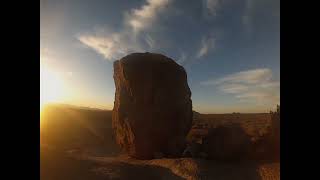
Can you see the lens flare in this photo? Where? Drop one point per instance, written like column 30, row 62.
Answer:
column 51, row 86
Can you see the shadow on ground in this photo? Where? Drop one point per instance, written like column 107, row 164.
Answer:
column 57, row 165
column 126, row 171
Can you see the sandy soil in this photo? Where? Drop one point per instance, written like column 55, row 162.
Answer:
column 57, row 165
column 86, row 132
column 194, row 169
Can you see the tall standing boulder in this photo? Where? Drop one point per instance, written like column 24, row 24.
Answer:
column 152, row 110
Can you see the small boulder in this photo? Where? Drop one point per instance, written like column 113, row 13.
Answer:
column 227, row 143
column 192, row 150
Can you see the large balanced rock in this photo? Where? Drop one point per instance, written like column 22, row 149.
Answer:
column 152, row 110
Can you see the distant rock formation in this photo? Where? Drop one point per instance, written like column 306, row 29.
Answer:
column 152, row 109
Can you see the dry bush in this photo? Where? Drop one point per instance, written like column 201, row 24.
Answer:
column 227, row 143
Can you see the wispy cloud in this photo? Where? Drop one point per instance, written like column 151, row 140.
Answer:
column 182, row 59
column 233, row 88
column 254, row 76
column 142, row 18
column 114, row 45
column 247, row 15
column 138, row 33
column 212, row 6
column 150, row 41
column 253, row 85
column 207, row 44
column 111, row 45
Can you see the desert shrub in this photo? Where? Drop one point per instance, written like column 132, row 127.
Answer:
column 267, row 146
column 274, row 134
column 227, row 143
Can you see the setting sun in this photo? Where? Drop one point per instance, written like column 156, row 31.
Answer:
column 51, row 86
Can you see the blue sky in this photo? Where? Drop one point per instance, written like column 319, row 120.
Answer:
column 229, row 48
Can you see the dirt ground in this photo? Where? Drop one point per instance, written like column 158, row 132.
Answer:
column 58, row 165
column 63, row 129
column 188, row 168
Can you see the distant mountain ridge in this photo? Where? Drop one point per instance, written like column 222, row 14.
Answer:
column 75, row 107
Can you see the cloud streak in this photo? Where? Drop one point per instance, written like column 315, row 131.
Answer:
column 142, row 18
column 138, row 34
column 247, row 15
column 207, row 44
column 114, row 45
column 183, row 57
column 110, row 45
column 212, row 6
column 254, row 76
column 254, row 85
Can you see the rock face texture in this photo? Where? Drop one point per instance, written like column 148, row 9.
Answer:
column 152, row 109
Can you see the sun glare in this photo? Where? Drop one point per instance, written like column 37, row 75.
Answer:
column 51, row 86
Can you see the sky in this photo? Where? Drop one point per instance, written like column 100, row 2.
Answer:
column 230, row 49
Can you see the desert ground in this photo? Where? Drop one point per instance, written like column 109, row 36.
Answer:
column 78, row 143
